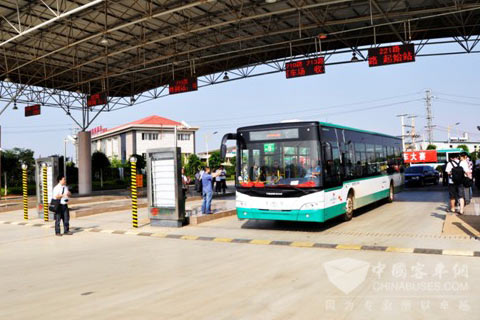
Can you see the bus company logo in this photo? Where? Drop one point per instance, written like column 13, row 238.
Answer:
column 346, row 274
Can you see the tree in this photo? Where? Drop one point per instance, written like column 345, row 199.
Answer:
column 192, row 165
column 116, row 163
column 11, row 165
column 141, row 163
column 431, row 147
column 464, row 147
column 100, row 163
column 214, row 160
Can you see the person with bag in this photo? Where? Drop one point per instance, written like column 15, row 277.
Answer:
column 456, row 171
column 59, row 203
column 468, row 183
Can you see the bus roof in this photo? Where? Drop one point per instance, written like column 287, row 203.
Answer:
column 304, row 123
column 326, row 124
column 451, row 150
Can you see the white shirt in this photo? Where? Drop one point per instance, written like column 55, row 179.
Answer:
column 449, row 168
column 58, row 190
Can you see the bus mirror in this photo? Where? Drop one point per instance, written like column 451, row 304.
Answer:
column 223, row 152
column 223, row 145
column 327, row 151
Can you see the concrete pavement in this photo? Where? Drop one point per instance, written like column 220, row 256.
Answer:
column 126, row 276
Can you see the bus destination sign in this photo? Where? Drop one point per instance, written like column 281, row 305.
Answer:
column 306, row 67
column 96, row 99
column 391, row 55
column 32, row 110
column 183, row 85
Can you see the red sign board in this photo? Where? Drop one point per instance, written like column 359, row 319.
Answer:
column 96, row 99
column 420, row 156
column 98, row 130
column 391, row 55
column 306, row 67
column 32, row 110
column 183, row 85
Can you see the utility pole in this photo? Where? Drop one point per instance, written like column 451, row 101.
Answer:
column 428, row 104
column 402, row 121
column 413, row 134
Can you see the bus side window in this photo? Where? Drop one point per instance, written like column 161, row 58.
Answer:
column 332, row 165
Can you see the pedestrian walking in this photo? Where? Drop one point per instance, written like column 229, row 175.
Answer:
column 456, row 171
column 207, row 190
column 218, row 181
column 468, row 183
column 223, row 179
column 200, row 176
column 60, row 201
column 185, row 183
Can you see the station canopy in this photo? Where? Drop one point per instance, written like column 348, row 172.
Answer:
column 125, row 47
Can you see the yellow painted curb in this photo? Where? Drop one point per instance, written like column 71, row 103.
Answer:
column 457, row 253
column 305, row 244
column 259, row 241
column 132, row 232
column 187, row 237
column 223, row 239
column 348, row 247
column 158, row 235
column 404, row 250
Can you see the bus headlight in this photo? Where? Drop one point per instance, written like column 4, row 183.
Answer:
column 311, row 206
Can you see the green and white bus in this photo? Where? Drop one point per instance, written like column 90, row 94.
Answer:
column 312, row 171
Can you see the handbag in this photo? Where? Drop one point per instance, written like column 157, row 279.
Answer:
column 467, row 182
column 54, row 205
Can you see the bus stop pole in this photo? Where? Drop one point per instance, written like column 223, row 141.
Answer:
column 45, row 192
column 133, row 169
column 25, row 191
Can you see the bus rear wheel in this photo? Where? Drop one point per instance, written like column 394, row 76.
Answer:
column 348, row 215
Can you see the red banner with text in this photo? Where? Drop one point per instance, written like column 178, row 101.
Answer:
column 420, row 156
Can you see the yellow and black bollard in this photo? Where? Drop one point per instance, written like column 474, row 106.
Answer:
column 25, row 191
column 133, row 169
column 45, row 192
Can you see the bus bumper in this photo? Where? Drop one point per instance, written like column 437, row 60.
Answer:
column 317, row 215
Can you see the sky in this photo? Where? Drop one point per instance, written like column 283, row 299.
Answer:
column 350, row 94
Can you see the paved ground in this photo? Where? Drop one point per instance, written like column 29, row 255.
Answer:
column 126, row 276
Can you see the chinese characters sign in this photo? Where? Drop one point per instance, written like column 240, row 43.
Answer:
column 183, row 85
column 306, row 67
column 96, row 99
column 420, row 156
column 98, row 130
column 391, row 55
column 32, row 110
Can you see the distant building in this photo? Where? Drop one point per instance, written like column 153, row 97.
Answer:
column 138, row 136
column 453, row 142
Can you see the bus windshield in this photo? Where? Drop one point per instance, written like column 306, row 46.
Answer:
column 291, row 163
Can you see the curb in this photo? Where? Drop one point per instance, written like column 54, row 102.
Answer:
column 293, row 244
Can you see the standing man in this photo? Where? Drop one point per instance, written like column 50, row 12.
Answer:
column 60, row 192
column 207, row 190
column 456, row 171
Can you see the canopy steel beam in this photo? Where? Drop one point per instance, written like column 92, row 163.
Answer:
column 57, row 17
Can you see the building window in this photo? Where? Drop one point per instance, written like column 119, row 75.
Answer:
column 183, row 136
column 149, row 136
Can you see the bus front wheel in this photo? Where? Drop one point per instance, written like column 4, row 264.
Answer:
column 348, row 208
column 390, row 194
